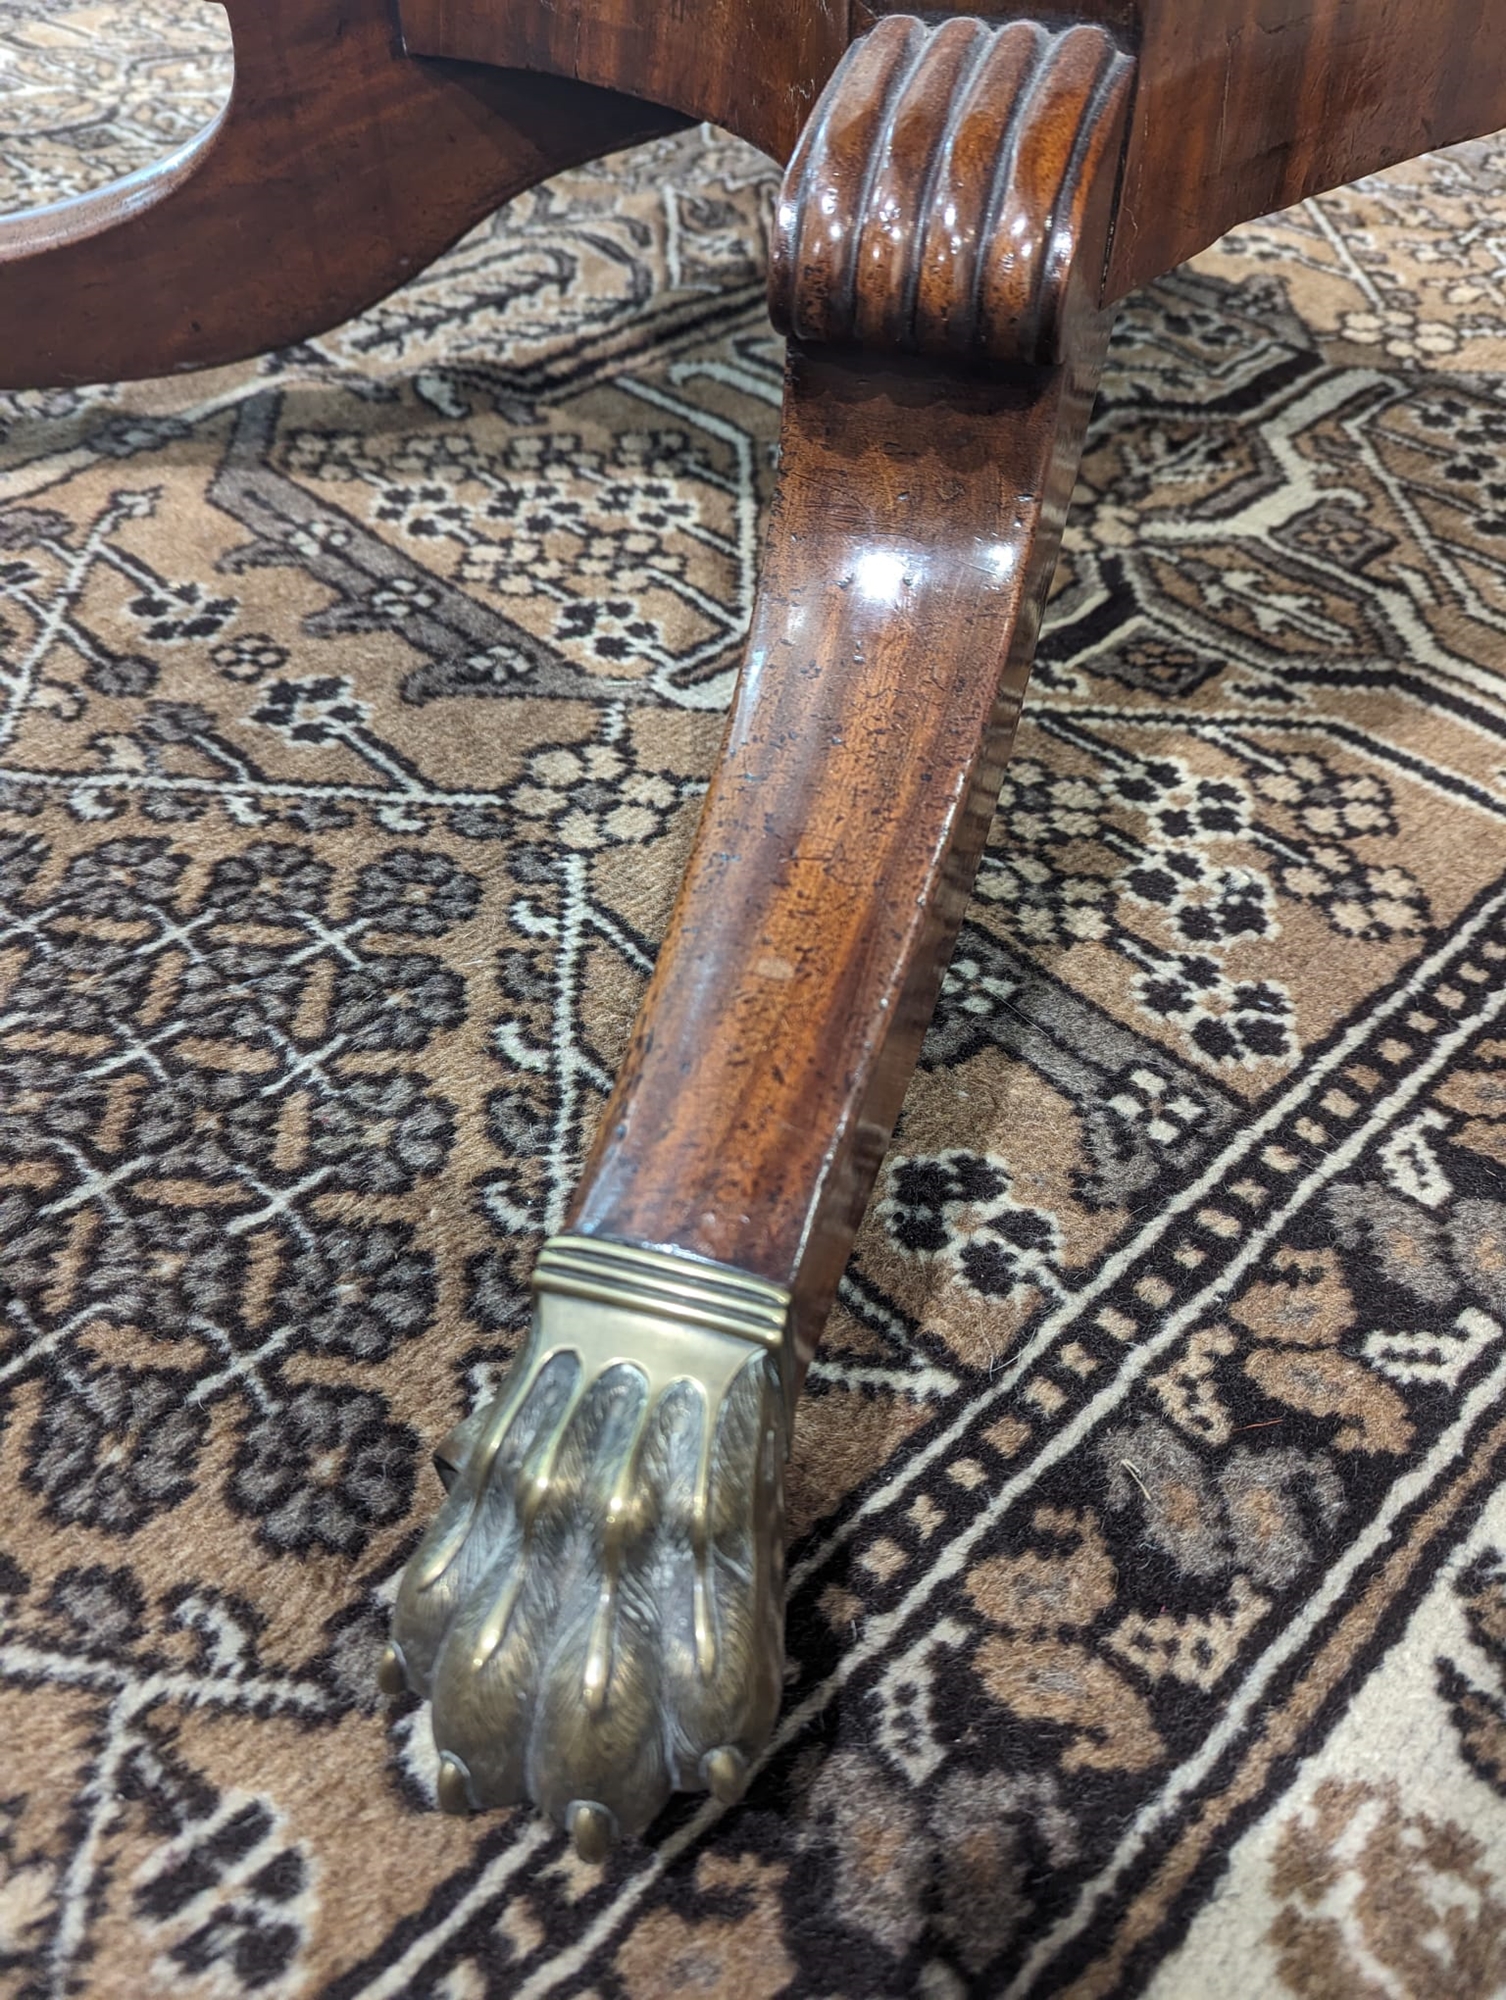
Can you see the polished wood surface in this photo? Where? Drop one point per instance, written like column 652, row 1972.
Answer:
column 938, row 203
column 907, row 562
column 1242, row 106
column 909, row 554
column 339, row 168
column 755, row 66
column 1246, row 106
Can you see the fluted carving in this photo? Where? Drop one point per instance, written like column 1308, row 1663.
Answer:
column 949, row 192
column 597, row 1612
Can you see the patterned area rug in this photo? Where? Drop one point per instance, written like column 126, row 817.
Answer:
column 1148, row 1628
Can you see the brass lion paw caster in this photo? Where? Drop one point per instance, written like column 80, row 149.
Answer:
column 597, row 1613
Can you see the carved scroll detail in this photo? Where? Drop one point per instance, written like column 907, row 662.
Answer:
column 950, row 184
column 597, row 1612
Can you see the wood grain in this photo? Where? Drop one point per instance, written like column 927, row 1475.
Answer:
column 1247, row 106
column 339, row 168
column 1242, row 106
column 755, row 66
column 935, row 205
column 908, row 558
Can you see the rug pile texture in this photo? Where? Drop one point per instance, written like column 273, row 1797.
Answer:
column 1148, row 1611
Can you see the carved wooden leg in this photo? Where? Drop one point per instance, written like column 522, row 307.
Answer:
column 597, row 1612
column 339, row 168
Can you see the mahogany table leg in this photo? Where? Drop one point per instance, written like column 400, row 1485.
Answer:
column 339, row 168
column 597, row 1611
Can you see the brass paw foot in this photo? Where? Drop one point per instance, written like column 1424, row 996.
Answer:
column 597, row 1613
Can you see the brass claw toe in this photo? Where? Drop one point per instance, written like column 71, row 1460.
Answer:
column 726, row 1774
column 597, row 1613
column 453, row 1787
column 392, row 1675
column 593, row 1830
column 451, row 1451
